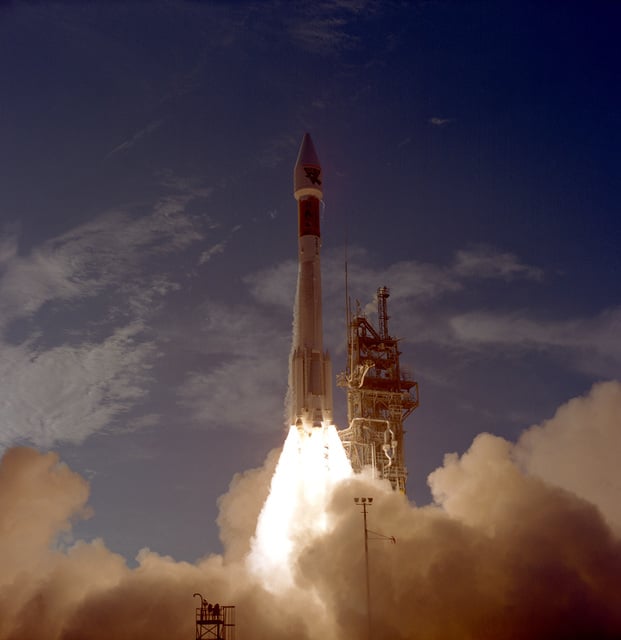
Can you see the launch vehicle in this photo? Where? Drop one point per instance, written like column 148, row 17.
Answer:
column 310, row 373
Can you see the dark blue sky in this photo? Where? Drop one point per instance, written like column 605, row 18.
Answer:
column 148, row 228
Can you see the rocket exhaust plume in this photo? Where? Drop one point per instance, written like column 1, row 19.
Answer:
column 313, row 460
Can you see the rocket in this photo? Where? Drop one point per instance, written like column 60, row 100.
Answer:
column 310, row 372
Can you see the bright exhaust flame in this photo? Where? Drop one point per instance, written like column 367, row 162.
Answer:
column 311, row 464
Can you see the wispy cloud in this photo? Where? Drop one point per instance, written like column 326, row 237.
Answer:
column 67, row 393
column 248, row 356
column 76, row 343
column 590, row 344
column 138, row 135
column 212, row 251
column 91, row 257
column 239, row 393
column 219, row 247
column 276, row 150
column 436, row 121
column 274, row 285
column 426, row 280
column 185, row 185
column 487, row 262
column 326, row 27
column 323, row 35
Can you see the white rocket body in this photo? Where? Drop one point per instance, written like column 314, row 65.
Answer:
column 310, row 373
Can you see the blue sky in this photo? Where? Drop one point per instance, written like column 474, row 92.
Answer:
column 148, row 228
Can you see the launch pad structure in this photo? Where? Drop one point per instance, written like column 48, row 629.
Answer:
column 380, row 396
column 214, row 621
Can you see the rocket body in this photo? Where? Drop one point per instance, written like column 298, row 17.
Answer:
column 310, row 372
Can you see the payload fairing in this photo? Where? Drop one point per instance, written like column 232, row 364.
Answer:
column 310, row 373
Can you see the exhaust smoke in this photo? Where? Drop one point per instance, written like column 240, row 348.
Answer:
column 503, row 552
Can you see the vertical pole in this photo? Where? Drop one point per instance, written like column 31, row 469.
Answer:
column 366, row 560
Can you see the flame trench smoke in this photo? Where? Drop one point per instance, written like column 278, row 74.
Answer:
column 523, row 541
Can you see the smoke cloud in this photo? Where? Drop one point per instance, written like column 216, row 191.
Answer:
column 578, row 449
column 521, row 542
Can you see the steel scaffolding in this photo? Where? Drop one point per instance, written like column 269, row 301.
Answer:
column 214, row 621
column 380, row 396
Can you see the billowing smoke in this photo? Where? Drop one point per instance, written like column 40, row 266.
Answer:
column 523, row 542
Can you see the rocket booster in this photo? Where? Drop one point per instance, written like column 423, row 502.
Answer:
column 310, row 373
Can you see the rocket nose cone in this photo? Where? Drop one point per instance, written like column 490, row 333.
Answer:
column 307, row 172
column 307, row 153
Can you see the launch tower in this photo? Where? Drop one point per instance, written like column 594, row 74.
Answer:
column 380, row 396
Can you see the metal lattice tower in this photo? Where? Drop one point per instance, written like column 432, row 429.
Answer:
column 380, row 396
column 214, row 621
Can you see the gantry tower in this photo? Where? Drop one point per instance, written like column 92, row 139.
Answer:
column 380, row 396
